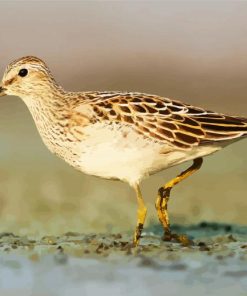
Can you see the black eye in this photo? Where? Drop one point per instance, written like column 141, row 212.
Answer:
column 23, row 72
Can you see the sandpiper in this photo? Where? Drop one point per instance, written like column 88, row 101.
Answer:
column 125, row 136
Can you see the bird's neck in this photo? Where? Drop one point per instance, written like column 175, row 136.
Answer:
column 46, row 98
column 56, row 114
column 46, row 107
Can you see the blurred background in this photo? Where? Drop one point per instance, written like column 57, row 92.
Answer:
column 193, row 51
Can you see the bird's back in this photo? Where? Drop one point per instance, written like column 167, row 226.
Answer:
column 165, row 120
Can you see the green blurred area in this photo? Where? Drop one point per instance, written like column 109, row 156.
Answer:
column 192, row 51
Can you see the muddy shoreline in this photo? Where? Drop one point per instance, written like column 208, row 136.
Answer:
column 215, row 263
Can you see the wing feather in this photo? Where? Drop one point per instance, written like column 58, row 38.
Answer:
column 166, row 120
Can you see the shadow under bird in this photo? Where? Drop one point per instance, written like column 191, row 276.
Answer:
column 126, row 136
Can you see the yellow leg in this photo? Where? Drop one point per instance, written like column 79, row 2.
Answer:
column 163, row 198
column 141, row 215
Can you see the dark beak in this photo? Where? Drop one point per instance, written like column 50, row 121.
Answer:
column 2, row 91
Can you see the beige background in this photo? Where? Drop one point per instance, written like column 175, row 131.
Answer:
column 194, row 51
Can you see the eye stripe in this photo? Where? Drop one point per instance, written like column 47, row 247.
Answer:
column 11, row 80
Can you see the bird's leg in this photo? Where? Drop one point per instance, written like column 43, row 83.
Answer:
column 141, row 215
column 163, row 198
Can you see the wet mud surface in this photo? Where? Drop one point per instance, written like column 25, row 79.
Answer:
column 214, row 262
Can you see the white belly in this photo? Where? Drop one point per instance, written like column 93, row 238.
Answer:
column 121, row 153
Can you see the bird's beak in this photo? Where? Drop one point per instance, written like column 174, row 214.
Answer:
column 2, row 91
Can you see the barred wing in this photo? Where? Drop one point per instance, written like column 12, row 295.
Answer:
column 166, row 120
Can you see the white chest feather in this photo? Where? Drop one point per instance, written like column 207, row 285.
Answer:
column 116, row 153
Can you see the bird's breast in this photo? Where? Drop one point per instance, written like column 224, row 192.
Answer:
column 116, row 151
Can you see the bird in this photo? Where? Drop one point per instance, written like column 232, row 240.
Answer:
column 121, row 135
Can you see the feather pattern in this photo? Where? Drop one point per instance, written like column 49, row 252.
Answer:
column 165, row 120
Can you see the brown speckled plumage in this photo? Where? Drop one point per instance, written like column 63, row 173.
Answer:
column 166, row 120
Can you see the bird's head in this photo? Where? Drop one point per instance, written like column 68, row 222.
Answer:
column 25, row 77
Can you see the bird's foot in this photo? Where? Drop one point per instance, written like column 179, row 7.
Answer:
column 137, row 235
column 178, row 238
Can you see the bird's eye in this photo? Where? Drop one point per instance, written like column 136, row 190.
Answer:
column 23, row 72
